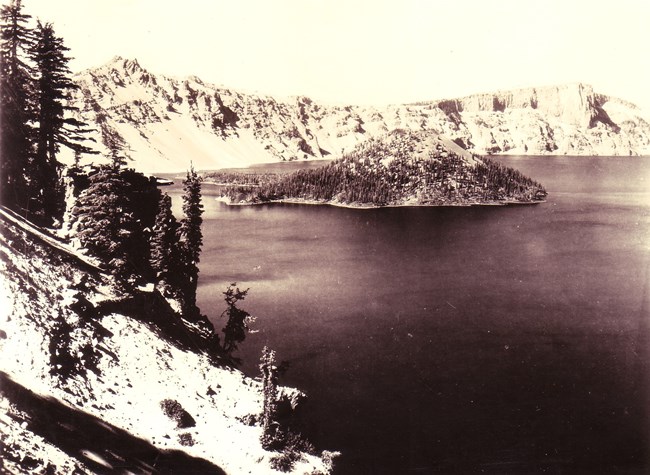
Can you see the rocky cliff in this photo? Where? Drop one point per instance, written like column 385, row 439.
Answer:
column 563, row 120
column 164, row 123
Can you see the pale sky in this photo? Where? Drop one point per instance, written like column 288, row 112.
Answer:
column 368, row 52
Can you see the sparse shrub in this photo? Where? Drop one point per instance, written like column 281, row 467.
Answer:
column 248, row 419
column 297, row 443
column 328, row 458
column 293, row 446
column 273, row 437
column 175, row 412
column 285, row 461
column 62, row 363
column 71, row 350
column 186, row 439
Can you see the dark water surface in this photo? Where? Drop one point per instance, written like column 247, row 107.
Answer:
column 457, row 340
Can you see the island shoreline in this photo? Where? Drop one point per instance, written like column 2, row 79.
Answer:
column 228, row 202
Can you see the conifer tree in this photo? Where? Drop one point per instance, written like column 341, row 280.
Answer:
column 55, row 87
column 110, row 137
column 106, row 224
column 114, row 142
column 270, row 431
column 191, row 236
column 193, row 210
column 16, row 105
column 53, row 91
column 165, row 258
column 238, row 319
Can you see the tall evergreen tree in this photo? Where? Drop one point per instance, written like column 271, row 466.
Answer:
column 53, row 90
column 113, row 141
column 271, row 437
column 16, row 105
column 110, row 137
column 165, row 249
column 191, row 235
column 193, row 210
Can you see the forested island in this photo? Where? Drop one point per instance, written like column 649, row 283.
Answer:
column 402, row 168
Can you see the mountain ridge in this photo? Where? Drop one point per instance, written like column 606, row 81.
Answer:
column 165, row 122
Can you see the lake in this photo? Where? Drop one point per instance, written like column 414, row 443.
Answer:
column 488, row 339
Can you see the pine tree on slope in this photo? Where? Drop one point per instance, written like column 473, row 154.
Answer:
column 53, row 89
column 16, row 105
column 110, row 137
column 270, row 437
column 237, row 319
column 165, row 249
column 114, row 142
column 191, row 237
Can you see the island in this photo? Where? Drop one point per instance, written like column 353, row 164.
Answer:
column 401, row 168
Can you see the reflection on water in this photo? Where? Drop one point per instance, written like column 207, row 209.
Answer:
column 456, row 340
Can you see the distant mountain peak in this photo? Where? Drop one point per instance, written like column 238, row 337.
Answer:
column 118, row 62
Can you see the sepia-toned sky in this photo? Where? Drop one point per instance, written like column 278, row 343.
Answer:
column 367, row 52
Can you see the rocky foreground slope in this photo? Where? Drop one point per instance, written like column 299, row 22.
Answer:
column 163, row 123
column 93, row 382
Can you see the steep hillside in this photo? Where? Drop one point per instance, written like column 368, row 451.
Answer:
column 398, row 169
column 165, row 123
column 96, row 382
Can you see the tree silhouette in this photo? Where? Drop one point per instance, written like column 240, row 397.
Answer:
column 271, row 437
column 53, row 91
column 35, row 86
column 238, row 319
column 165, row 249
column 16, row 105
column 191, row 237
column 107, row 226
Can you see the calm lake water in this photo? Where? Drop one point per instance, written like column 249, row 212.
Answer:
column 457, row 340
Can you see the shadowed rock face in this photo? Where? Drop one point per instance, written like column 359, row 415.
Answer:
column 98, row 445
column 164, row 120
column 575, row 104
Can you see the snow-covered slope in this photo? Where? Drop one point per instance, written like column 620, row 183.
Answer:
column 125, row 358
column 167, row 122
